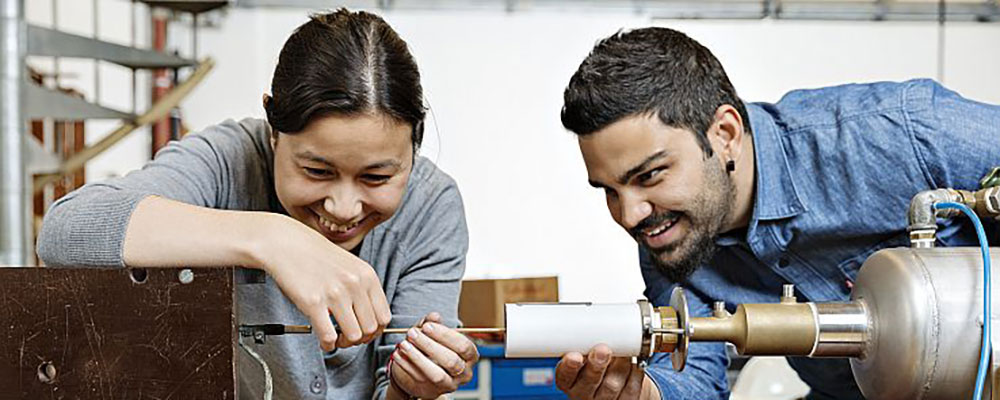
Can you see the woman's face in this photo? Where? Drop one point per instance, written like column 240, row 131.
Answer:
column 343, row 175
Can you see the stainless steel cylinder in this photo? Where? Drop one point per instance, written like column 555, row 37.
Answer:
column 15, row 228
column 841, row 329
column 924, row 310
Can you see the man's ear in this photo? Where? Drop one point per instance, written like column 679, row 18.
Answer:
column 265, row 100
column 727, row 132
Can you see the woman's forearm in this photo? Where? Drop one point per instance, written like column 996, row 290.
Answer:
column 168, row 233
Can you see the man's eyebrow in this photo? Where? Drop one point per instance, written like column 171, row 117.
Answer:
column 636, row 170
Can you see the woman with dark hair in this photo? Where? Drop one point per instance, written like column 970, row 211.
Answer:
column 329, row 198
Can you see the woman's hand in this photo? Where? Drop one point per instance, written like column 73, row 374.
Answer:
column 322, row 279
column 433, row 360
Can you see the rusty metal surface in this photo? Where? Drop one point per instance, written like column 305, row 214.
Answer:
column 98, row 334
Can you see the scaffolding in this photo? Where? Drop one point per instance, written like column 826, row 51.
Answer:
column 26, row 165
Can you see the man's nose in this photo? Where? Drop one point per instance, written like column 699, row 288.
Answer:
column 634, row 209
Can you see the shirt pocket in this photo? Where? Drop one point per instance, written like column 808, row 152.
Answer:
column 341, row 358
column 851, row 265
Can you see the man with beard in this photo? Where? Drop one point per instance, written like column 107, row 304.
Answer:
column 733, row 200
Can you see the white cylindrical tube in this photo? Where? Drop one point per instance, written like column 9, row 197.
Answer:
column 551, row 330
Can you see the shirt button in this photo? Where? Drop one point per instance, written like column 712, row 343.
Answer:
column 783, row 262
column 317, row 385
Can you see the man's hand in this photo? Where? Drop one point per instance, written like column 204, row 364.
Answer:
column 601, row 376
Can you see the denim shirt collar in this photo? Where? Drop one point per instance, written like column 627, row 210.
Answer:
column 775, row 195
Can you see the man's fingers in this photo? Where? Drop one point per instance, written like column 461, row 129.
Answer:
column 633, row 387
column 592, row 373
column 567, row 370
column 614, row 380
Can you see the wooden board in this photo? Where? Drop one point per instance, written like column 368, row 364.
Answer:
column 105, row 336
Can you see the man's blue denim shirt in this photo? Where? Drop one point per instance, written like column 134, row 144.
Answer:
column 835, row 171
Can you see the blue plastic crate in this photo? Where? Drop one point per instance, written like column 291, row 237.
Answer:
column 529, row 378
column 516, row 379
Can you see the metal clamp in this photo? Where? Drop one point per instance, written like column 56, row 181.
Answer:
column 646, row 351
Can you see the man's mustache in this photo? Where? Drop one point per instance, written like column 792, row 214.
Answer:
column 652, row 221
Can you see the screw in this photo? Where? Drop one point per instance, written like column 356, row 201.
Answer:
column 317, row 385
column 788, row 293
column 719, row 309
column 186, row 276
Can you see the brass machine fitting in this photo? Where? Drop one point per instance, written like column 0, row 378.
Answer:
column 922, row 215
column 786, row 328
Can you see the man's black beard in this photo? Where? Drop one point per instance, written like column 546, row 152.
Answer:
column 698, row 246
column 679, row 271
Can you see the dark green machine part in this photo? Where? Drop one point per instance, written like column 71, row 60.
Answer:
column 991, row 179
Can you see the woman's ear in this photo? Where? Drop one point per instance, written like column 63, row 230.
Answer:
column 265, row 100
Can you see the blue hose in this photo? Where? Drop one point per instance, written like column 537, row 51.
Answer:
column 984, row 354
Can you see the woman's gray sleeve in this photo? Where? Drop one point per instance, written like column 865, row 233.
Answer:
column 87, row 226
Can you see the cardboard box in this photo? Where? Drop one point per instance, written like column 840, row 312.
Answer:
column 482, row 301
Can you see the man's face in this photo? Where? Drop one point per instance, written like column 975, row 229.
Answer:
column 662, row 189
column 342, row 176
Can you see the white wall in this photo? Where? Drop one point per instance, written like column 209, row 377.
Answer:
column 494, row 82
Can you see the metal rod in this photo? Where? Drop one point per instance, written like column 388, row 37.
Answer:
column 97, row 63
column 942, row 16
column 308, row 329
column 55, row 60
column 132, row 19
column 194, row 36
column 673, row 331
column 15, row 227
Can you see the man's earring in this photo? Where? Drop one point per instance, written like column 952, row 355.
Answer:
column 730, row 166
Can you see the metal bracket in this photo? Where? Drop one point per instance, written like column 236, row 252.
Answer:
column 991, row 179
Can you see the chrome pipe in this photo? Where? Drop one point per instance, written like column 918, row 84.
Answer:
column 15, row 248
column 842, row 329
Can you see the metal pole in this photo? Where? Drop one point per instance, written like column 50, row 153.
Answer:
column 194, row 36
column 942, row 16
column 15, row 228
column 135, row 102
column 56, row 74
column 97, row 62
